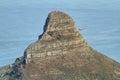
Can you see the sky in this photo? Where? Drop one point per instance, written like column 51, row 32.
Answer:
column 21, row 21
column 106, row 4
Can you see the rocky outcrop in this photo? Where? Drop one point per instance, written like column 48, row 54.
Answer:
column 60, row 36
column 61, row 53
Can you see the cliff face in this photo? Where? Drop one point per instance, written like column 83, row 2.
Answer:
column 60, row 37
column 61, row 53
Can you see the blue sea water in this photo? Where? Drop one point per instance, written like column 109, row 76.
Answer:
column 22, row 21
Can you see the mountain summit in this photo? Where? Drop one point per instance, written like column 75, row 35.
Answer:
column 60, row 36
column 61, row 53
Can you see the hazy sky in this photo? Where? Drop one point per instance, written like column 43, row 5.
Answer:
column 21, row 21
column 101, row 4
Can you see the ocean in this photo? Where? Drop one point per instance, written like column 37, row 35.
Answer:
column 21, row 22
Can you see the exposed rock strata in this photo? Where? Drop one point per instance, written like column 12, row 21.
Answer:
column 61, row 53
column 59, row 37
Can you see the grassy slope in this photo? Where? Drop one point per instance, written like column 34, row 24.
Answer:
column 74, row 67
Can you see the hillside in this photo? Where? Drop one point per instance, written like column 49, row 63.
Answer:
column 61, row 53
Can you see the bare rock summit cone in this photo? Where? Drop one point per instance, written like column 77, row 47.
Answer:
column 60, row 36
column 61, row 53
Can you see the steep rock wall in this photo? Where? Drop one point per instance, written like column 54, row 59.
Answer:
column 59, row 37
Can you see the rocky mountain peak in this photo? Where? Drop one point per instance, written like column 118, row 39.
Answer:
column 60, row 23
column 60, row 35
column 57, row 20
column 61, row 53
